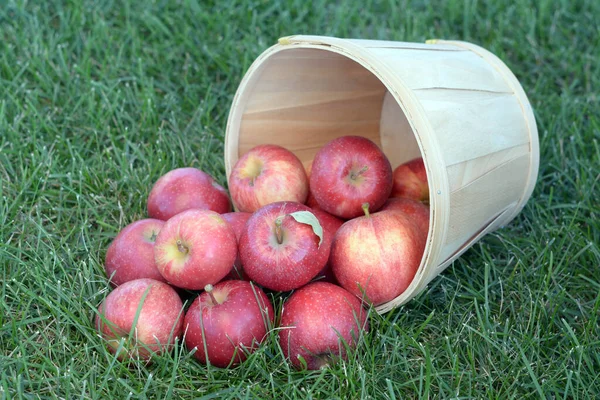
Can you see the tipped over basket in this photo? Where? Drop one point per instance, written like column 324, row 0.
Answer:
column 453, row 103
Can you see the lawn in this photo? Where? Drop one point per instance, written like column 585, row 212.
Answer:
column 100, row 98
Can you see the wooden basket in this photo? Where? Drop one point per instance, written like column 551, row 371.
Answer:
column 453, row 103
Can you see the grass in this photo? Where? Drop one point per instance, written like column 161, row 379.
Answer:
column 98, row 99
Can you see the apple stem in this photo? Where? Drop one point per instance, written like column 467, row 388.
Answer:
column 208, row 289
column 365, row 208
column 278, row 231
column 181, row 247
column 354, row 175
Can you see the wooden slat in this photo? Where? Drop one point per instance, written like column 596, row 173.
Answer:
column 472, row 124
column 473, row 205
column 271, row 101
column 463, row 173
column 435, row 69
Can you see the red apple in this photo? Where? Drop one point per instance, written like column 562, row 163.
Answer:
column 279, row 252
column 227, row 321
column 131, row 254
column 140, row 318
column 195, row 248
column 416, row 210
column 330, row 224
column 378, row 253
column 315, row 320
column 350, row 171
column 237, row 220
column 267, row 174
column 184, row 189
column 410, row 181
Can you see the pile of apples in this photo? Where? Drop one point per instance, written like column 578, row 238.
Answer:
column 345, row 233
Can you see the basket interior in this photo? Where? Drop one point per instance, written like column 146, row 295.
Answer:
column 303, row 98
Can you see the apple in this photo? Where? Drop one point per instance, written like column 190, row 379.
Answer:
column 195, row 248
column 280, row 253
column 184, row 189
column 318, row 321
column 330, row 224
column 410, row 181
column 140, row 318
column 416, row 210
column 377, row 253
column 227, row 321
column 267, row 174
column 131, row 254
column 237, row 220
column 350, row 171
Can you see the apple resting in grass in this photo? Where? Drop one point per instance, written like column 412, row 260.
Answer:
column 237, row 220
column 231, row 319
column 267, row 174
column 279, row 252
column 330, row 224
column 410, row 181
column 156, row 308
column 317, row 323
column 416, row 210
column 378, row 253
column 131, row 254
column 195, row 248
column 350, row 171
column 184, row 189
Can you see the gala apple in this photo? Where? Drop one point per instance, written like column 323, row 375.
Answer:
column 318, row 322
column 410, row 181
column 131, row 254
column 195, row 248
column 141, row 318
column 227, row 321
column 350, row 171
column 279, row 252
column 377, row 253
column 184, row 189
column 267, row 174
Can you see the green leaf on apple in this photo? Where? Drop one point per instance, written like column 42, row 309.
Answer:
column 308, row 218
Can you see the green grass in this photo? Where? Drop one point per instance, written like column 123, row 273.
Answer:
column 98, row 99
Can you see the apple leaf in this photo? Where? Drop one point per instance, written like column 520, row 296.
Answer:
column 308, row 218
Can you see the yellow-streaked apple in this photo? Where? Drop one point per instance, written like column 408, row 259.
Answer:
column 267, row 174
column 195, row 248
column 377, row 255
column 140, row 318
